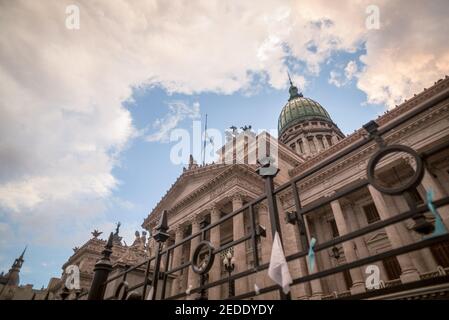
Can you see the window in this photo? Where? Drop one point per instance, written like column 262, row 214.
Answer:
column 348, row 278
column 334, row 228
column 329, row 140
column 440, row 252
column 416, row 196
column 292, row 146
column 371, row 213
column 392, row 268
column 301, row 146
column 312, row 145
column 321, row 142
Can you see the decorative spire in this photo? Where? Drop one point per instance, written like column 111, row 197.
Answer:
column 290, row 79
column 293, row 90
column 23, row 253
column 13, row 274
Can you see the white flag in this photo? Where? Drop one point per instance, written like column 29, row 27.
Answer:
column 278, row 269
column 256, row 289
column 150, row 294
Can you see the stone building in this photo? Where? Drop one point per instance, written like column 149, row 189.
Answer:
column 123, row 256
column 308, row 137
column 10, row 288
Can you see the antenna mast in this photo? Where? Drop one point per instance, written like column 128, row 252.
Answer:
column 204, row 144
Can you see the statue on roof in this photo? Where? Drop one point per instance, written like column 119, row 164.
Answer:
column 96, row 233
column 140, row 241
column 116, row 236
column 231, row 133
column 192, row 163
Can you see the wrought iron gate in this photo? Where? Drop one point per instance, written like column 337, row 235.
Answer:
column 158, row 280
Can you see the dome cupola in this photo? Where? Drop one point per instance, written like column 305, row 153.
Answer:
column 305, row 125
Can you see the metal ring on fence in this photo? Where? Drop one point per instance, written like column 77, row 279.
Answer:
column 207, row 263
column 125, row 287
column 413, row 182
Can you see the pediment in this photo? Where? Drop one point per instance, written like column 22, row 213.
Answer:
column 378, row 236
column 190, row 182
column 212, row 182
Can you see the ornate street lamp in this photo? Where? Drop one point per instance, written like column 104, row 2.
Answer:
column 335, row 253
column 229, row 265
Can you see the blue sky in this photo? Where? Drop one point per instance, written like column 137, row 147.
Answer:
column 86, row 113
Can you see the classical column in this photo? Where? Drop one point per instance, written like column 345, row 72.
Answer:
column 303, row 288
column 305, row 143
column 430, row 182
column 291, row 244
column 177, row 255
column 358, row 284
column 322, row 256
column 215, row 237
column 409, row 272
column 262, row 279
column 315, row 285
column 423, row 258
column 238, row 231
column 326, row 143
column 334, row 139
column 193, row 278
column 317, row 144
column 362, row 248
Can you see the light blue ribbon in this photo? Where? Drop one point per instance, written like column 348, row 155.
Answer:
column 439, row 225
column 311, row 254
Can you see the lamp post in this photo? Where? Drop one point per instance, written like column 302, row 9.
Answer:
column 229, row 265
column 335, row 253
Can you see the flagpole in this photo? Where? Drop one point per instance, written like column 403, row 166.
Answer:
column 204, row 144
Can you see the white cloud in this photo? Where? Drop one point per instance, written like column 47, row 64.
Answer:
column 178, row 111
column 351, row 70
column 408, row 53
column 342, row 78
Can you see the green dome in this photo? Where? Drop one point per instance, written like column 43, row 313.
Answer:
column 299, row 109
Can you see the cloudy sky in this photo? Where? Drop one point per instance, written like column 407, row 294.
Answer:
column 86, row 114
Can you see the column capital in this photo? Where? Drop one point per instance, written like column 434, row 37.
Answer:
column 214, row 211
column 237, row 196
column 179, row 228
column 195, row 219
column 261, row 207
column 410, row 160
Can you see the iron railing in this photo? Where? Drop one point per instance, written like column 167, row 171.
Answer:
column 416, row 212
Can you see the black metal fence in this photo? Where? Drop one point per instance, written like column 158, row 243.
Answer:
column 155, row 279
